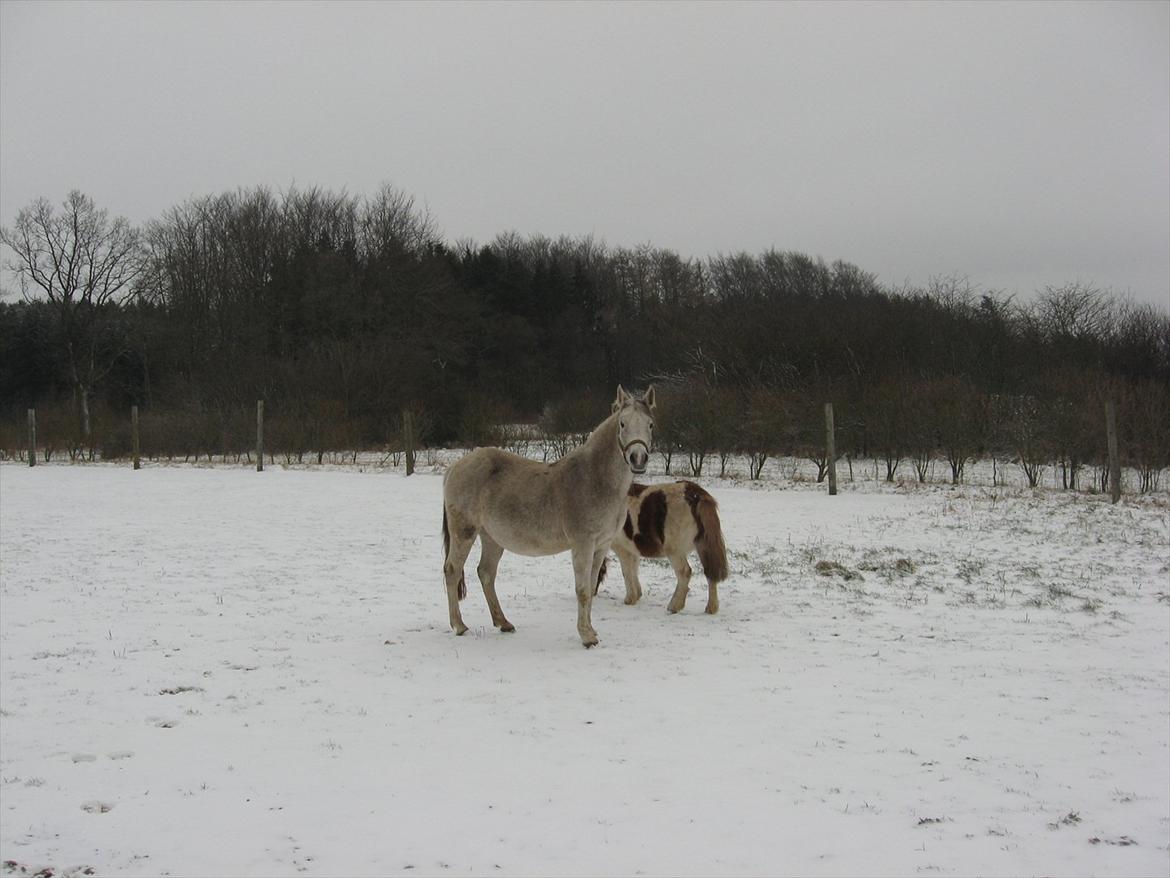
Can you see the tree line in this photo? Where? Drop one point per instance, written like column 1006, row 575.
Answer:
column 343, row 311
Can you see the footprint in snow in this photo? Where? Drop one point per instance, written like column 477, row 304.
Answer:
column 120, row 754
column 96, row 807
column 179, row 690
column 83, row 757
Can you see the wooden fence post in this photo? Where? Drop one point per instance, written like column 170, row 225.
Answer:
column 408, row 440
column 259, row 435
column 32, row 437
column 831, row 449
column 1114, row 460
column 134, row 434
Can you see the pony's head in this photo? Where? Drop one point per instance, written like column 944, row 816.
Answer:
column 635, row 427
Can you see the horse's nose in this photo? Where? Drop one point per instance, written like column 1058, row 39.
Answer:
column 638, row 459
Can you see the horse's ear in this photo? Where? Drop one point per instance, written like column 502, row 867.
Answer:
column 649, row 398
column 621, row 398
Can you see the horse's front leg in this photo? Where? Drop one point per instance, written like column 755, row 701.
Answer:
column 586, row 565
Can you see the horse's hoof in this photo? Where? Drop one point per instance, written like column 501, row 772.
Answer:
column 461, row 630
column 672, row 609
column 507, row 628
column 589, row 644
column 631, row 601
column 712, row 609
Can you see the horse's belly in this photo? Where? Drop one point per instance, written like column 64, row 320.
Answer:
column 524, row 541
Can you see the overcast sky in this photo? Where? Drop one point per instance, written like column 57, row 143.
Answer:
column 1017, row 144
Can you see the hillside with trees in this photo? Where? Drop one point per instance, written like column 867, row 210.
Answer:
column 343, row 312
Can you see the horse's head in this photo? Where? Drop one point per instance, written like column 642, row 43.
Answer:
column 635, row 427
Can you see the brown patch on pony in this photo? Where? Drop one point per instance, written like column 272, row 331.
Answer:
column 636, row 489
column 694, row 494
column 651, row 525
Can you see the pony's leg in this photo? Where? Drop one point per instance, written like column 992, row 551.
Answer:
column 585, row 570
column 489, row 561
column 630, row 575
column 682, row 570
column 712, row 597
column 453, row 571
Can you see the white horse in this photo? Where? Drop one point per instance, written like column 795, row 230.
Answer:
column 576, row 504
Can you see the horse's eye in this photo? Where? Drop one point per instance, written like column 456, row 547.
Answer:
column 622, row 424
column 651, row 425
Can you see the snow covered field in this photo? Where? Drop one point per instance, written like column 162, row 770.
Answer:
column 211, row 671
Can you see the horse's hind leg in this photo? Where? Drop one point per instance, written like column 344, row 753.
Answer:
column 462, row 536
column 682, row 570
column 489, row 562
column 630, row 575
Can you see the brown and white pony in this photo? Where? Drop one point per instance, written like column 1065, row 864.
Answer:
column 576, row 504
column 670, row 520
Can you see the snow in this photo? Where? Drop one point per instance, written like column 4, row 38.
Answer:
column 212, row 671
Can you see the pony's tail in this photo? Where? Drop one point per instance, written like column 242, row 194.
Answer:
column 447, row 552
column 709, row 542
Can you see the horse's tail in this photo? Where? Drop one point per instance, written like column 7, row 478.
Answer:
column 709, row 541
column 601, row 573
column 447, row 552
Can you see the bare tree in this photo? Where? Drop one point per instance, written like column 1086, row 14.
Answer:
column 671, row 420
column 962, row 421
column 922, row 434
column 389, row 221
column 1147, row 414
column 704, row 422
column 766, row 429
column 1074, row 311
column 86, row 265
column 805, row 435
column 564, row 424
column 888, row 416
column 1027, row 428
